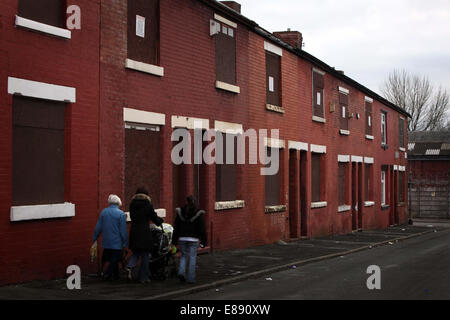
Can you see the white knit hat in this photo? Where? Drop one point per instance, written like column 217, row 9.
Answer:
column 113, row 199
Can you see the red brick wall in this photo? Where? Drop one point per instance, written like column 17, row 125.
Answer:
column 187, row 88
column 44, row 249
column 97, row 138
column 429, row 170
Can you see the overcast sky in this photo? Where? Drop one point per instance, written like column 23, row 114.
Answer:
column 366, row 38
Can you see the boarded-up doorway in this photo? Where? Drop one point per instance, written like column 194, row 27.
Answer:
column 298, row 223
column 142, row 161
column 294, row 194
column 200, row 178
column 303, row 199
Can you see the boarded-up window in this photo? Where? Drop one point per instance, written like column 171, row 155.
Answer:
column 342, row 183
column 318, row 90
column 143, row 31
column 272, row 185
column 369, row 119
column 316, row 177
column 51, row 12
column 142, row 161
column 226, row 173
column 368, row 185
column 401, row 132
column 38, row 151
column 226, row 54
column 343, row 117
column 273, row 79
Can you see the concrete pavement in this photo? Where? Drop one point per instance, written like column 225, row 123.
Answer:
column 221, row 268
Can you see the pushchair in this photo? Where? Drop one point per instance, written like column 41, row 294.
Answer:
column 162, row 261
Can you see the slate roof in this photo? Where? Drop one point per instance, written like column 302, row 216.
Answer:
column 429, row 144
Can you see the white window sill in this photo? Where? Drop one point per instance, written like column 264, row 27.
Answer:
column 300, row 146
column 160, row 212
column 344, row 132
column 228, row 87
column 42, row 27
column 41, row 90
column 369, row 137
column 318, row 149
column 402, row 149
column 343, row 159
column 227, row 205
column 38, row 212
column 275, row 209
column 273, row 108
column 316, row 205
column 144, row 117
column 144, row 67
column 369, row 203
column 319, row 119
column 344, row 208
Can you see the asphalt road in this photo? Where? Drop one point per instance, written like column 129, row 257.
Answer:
column 417, row 268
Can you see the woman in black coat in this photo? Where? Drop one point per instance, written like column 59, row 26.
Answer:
column 141, row 213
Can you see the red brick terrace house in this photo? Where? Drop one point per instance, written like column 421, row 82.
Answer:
column 49, row 85
column 93, row 110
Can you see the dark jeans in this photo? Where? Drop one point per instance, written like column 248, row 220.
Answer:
column 144, row 268
column 113, row 257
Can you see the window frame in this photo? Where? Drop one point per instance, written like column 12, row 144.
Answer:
column 318, row 87
column 383, row 122
column 269, row 179
column 222, row 40
column 273, row 66
column 318, row 192
column 368, row 106
column 44, row 127
column 144, row 54
column 224, row 170
column 383, row 187
column 149, row 133
column 54, row 93
column 344, row 110
column 343, row 191
column 401, row 137
column 368, row 182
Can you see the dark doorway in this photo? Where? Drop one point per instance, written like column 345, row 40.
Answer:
column 200, row 179
column 294, row 194
column 396, row 198
column 303, row 199
column 356, row 196
column 360, row 197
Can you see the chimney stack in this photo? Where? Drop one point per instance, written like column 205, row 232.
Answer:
column 293, row 38
column 233, row 5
